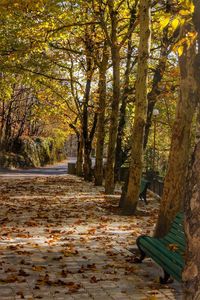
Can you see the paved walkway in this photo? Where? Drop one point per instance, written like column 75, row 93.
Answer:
column 62, row 238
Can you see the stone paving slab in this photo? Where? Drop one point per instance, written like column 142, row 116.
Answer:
column 62, row 238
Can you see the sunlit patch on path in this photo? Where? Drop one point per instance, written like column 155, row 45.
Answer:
column 62, row 238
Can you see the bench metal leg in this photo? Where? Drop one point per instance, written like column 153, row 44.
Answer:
column 145, row 199
column 166, row 278
column 139, row 260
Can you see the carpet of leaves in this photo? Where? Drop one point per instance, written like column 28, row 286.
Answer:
column 63, row 238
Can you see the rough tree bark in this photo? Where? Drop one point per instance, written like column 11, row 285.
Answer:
column 79, row 156
column 101, row 117
column 115, row 49
column 175, row 180
column 131, row 198
column 191, row 273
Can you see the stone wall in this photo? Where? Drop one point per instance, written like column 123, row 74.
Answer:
column 33, row 153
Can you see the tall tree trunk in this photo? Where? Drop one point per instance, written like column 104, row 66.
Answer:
column 87, row 171
column 120, row 155
column 87, row 165
column 152, row 96
column 175, row 180
column 109, row 178
column 131, row 198
column 79, row 156
column 191, row 273
column 101, row 117
column 122, row 114
column 79, row 161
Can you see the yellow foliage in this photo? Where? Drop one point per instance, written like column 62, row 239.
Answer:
column 164, row 22
column 180, row 50
column 175, row 23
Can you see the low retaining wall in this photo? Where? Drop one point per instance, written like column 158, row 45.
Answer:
column 32, row 153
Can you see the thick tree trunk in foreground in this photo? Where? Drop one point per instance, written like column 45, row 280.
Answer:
column 131, row 198
column 175, row 180
column 191, row 273
column 101, row 118
column 109, row 178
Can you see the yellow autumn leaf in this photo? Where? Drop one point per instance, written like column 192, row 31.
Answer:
column 184, row 12
column 175, row 23
column 180, row 50
column 164, row 22
column 191, row 7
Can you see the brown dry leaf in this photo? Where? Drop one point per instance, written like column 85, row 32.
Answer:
column 93, row 279
column 73, row 287
column 31, row 223
column 64, row 273
column 38, row 268
column 91, row 231
column 9, row 279
column 69, row 251
column 20, row 293
column 111, row 253
column 173, row 247
column 23, row 235
column 91, row 266
column 22, row 273
column 13, row 247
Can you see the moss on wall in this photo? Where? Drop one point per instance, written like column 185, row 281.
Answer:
column 33, row 153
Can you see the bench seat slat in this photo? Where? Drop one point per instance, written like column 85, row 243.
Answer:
column 175, row 232
column 168, row 251
column 177, row 226
column 178, row 239
column 178, row 236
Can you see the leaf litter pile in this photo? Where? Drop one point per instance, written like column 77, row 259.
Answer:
column 63, row 238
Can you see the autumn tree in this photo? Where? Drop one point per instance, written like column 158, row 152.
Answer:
column 175, row 180
column 110, row 15
column 131, row 198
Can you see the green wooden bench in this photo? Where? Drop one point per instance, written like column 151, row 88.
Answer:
column 143, row 189
column 168, row 252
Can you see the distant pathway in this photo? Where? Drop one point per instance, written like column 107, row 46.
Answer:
column 62, row 238
column 56, row 169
